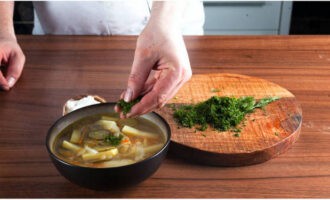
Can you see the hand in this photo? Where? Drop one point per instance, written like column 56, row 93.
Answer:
column 12, row 61
column 160, row 67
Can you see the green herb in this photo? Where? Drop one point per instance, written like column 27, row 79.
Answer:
column 203, row 135
column 172, row 106
column 127, row 106
column 236, row 130
column 276, row 133
column 175, row 97
column 215, row 90
column 203, row 127
column 113, row 140
column 236, row 135
column 263, row 102
column 221, row 113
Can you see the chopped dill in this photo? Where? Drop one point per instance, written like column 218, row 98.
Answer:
column 221, row 113
column 236, row 134
column 113, row 140
column 172, row 106
column 236, row 130
column 127, row 106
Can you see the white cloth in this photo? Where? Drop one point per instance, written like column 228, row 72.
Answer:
column 106, row 17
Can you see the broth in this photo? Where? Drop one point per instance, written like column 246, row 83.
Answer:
column 105, row 140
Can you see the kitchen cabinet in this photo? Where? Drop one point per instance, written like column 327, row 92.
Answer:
column 247, row 18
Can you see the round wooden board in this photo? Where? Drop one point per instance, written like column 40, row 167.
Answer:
column 267, row 132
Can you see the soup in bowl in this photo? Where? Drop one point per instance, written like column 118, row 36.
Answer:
column 94, row 148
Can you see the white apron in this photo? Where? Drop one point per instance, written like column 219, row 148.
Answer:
column 106, row 17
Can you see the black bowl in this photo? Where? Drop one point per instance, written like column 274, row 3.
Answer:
column 106, row 178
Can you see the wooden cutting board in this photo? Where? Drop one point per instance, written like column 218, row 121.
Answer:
column 266, row 134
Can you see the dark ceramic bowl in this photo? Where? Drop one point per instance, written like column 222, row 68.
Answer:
column 106, row 178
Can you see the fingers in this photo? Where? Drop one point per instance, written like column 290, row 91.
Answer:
column 147, row 88
column 15, row 67
column 141, row 68
column 117, row 108
column 14, row 58
column 165, row 88
column 3, row 82
column 149, row 102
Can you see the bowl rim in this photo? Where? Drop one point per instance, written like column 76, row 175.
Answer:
column 58, row 121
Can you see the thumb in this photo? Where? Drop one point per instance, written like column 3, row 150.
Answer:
column 141, row 68
column 15, row 67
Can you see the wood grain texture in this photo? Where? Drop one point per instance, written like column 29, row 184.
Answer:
column 59, row 67
column 266, row 133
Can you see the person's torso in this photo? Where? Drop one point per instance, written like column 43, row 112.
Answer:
column 105, row 17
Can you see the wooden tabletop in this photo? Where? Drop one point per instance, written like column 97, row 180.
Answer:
column 59, row 67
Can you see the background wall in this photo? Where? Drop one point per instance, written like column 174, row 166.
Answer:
column 234, row 18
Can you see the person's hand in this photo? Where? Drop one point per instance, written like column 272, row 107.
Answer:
column 12, row 62
column 160, row 67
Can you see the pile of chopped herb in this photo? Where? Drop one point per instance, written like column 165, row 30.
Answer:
column 113, row 140
column 127, row 106
column 221, row 113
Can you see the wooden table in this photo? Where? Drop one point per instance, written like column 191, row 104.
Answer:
column 59, row 67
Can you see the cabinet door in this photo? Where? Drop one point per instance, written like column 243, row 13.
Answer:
column 263, row 17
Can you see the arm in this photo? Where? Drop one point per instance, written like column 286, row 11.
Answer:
column 6, row 20
column 167, row 13
column 11, row 55
column 161, row 64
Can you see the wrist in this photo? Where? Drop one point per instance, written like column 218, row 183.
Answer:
column 7, row 36
column 167, row 14
column 6, row 21
column 8, row 33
